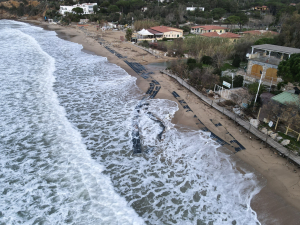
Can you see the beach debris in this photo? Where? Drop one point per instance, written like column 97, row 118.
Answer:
column 270, row 132
column 274, row 135
column 266, row 120
column 264, row 130
column 237, row 111
column 279, row 138
column 285, row 142
column 254, row 123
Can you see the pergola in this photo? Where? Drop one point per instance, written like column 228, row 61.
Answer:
column 144, row 32
column 276, row 48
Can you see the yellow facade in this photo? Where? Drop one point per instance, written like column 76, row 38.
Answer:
column 219, row 31
column 172, row 34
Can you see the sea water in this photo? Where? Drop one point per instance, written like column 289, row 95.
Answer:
column 66, row 119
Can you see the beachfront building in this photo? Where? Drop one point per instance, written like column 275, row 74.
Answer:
column 207, row 29
column 87, row 8
column 264, row 60
column 158, row 33
column 194, row 8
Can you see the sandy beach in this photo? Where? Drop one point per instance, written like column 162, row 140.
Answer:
column 279, row 201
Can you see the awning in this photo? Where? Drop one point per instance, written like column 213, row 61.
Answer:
column 144, row 32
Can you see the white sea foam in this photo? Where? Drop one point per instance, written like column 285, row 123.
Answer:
column 47, row 175
column 184, row 179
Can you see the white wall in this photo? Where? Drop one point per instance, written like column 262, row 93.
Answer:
column 87, row 8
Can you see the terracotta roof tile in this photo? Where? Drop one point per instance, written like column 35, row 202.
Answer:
column 229, row 35
column 163, row 29
column 211, row 27
column 210, row 34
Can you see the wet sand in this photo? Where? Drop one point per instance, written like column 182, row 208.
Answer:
column 279, row 201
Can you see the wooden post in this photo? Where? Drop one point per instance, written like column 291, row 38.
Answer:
column 258, row 113
column 298, row 137
column 287, row 129
column 276, row 123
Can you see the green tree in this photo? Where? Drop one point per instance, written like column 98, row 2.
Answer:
column 262, row 41
column 105, row 4
column 242, row 19
column 207, row 60
column 236, row 61
column 78, row 10
column 289, row 70
column 238, row 81
column 95, row 8
column 289, row 35
column 254, row 87
column 217, row 13
column 128, row 35
column 113, row 9
column 232, row 20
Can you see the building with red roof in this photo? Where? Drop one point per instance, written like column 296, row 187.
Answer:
column 168, row 32
column 224, row 35
column 207, row 29
column 211, row 34
column 160, row 32
column 230, row 35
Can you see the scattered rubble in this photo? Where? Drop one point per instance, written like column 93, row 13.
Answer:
column 285, row 142
column 254, row 123
column 274, row 135
column 279, row 138
column 264, row 130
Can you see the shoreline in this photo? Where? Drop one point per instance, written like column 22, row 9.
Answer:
column 277, row 202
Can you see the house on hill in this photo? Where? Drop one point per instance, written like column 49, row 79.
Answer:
column 261, row 8
column 194, row 8
column 87, row 8
column 207, row 29
column 264, row 60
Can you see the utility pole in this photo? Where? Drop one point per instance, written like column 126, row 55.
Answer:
column 257, row 90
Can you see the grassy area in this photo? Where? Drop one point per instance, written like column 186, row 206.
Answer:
column 294, row 144
column 227, row 66
column 205, row 65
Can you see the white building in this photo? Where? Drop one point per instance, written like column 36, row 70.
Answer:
column 193, row 8
column 87, row 8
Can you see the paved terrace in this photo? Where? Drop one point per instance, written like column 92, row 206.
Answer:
column 240, row 121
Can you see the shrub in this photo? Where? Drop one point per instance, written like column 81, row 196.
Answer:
column 191, row 60
column 144, row 44
column 236, row 61
column 207, row 60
